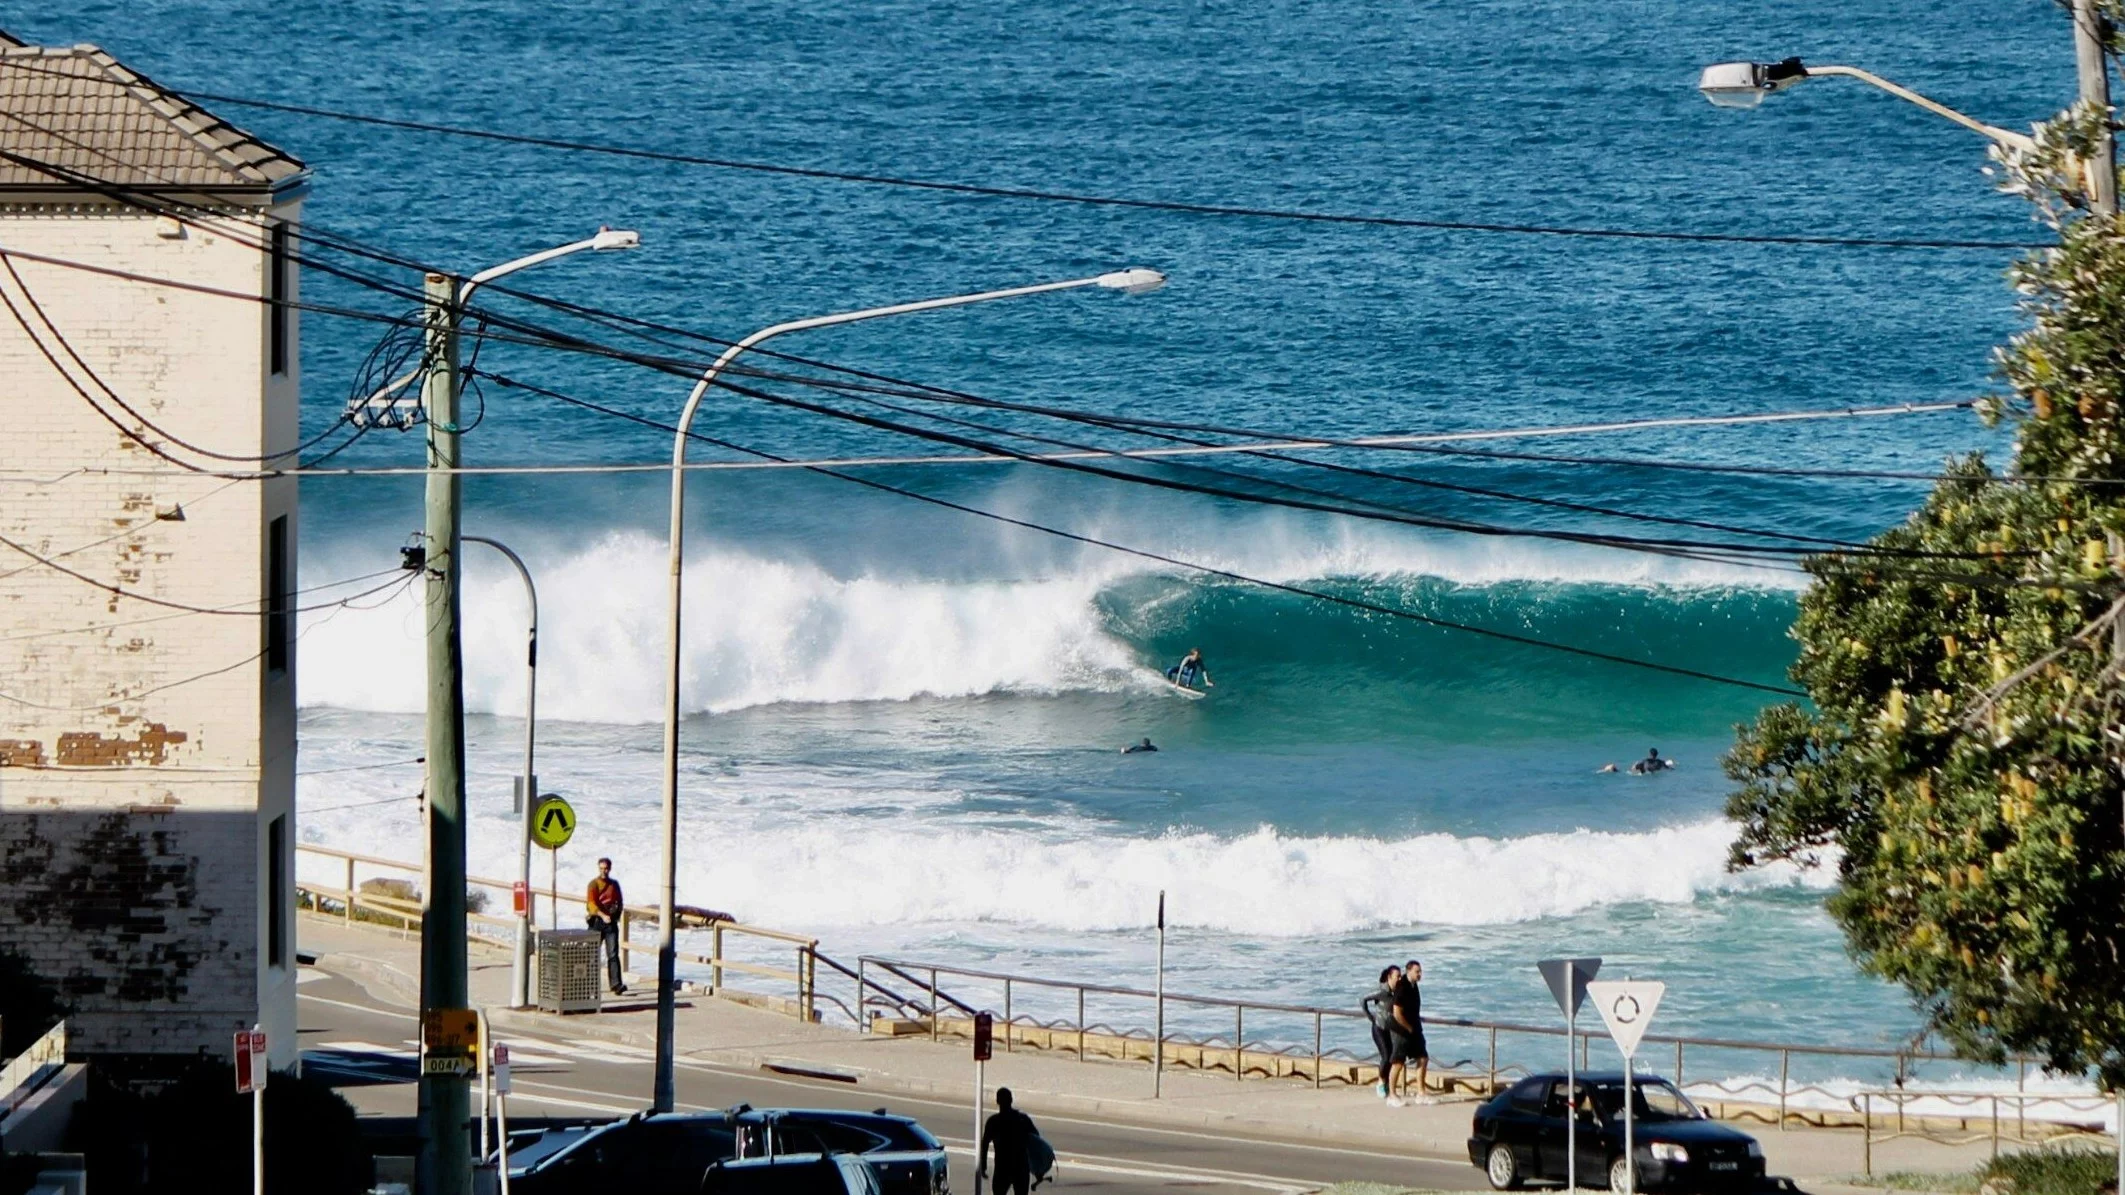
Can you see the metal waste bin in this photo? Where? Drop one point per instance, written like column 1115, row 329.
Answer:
column 569, row 963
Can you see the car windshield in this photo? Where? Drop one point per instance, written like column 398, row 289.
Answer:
column 1652, row 1100
column 528, row 1149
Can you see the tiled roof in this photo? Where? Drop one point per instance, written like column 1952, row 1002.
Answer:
column 78, row 110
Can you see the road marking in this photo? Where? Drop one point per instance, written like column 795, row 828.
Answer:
column 1123, row 1166
column 931, row 1102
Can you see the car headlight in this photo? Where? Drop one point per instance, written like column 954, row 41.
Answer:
column 1668, row 1151
column 1755, row 1148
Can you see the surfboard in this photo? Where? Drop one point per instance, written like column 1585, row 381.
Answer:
column 1183, row 690
column 1040, row 1159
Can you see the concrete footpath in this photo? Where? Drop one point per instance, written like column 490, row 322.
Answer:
column 725, row 1033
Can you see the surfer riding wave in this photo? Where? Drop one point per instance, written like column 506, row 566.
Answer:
column 1190, row 669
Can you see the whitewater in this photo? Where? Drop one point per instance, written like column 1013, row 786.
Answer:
column 904, row 720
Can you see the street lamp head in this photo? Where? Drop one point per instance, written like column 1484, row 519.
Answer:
column 1744, row 84
column 616, row 238
column 1138, row 281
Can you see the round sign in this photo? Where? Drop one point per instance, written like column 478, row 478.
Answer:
column 553, row 822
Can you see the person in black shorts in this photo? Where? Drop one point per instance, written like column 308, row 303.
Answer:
column 1409, row 1011
column 1379, row 1008
column 1008, row 1132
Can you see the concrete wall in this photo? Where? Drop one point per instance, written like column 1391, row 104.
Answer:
column 144, row 749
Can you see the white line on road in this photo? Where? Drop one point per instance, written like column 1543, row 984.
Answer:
column 1123, row 1166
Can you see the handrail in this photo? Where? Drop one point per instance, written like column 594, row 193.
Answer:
column 1451, row 1022
column 407, row 912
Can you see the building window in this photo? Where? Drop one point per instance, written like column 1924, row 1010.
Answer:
column 277, row 892
column 277, row 595
column 277, row 299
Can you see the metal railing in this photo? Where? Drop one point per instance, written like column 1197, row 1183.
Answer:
column 1331, row 1045
column 1928, row 1115
column 26, row 1072
column 755, row 944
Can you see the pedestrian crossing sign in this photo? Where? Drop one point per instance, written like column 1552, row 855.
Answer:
column 553, row 822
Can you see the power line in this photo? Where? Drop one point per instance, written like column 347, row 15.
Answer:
column 364, row 767
column 1112, row 201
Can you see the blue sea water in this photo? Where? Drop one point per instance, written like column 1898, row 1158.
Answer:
column 905, row 718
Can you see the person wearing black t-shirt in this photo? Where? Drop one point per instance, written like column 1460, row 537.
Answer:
column 1409, row 1010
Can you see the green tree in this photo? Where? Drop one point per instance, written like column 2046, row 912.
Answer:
column 1960, row 764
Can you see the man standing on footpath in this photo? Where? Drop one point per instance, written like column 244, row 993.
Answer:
column 603, row 902
column 1011, row 1133
column 1409, row 1014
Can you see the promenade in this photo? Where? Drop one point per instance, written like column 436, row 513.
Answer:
column 741, row 1037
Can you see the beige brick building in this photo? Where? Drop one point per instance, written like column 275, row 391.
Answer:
column 147, row 654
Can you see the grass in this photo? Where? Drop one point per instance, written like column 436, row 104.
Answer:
column 2054, row 1170
column 2051, row 1170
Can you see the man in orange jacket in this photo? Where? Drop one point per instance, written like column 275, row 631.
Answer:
column 604, row 902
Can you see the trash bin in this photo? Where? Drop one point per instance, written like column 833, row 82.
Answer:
column 569, row 965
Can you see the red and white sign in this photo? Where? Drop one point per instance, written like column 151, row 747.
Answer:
column 501, row 1070
column 520, row 898
column 251, row 1069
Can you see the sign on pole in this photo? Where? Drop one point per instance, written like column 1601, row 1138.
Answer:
column 450, row 1039
column 501, row 1070
column 553, row 822
column 1567, row 979
column 984, row 1036
column 520, row 899
column 251, row 1069
column 1627, row 1006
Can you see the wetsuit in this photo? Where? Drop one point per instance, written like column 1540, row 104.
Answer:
column 1009, row 1131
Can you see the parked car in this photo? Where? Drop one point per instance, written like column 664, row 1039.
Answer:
column 1519, row 1136
column 903, row 1154
column 792, row 1174
column 645, row 1154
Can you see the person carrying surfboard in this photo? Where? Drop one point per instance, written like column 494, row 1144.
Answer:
column 1021, row 1155
column 1191, row 666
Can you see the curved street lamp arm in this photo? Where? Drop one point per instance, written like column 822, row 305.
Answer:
column 2006, row 137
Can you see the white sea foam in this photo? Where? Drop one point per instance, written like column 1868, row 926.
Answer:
column 761, row 630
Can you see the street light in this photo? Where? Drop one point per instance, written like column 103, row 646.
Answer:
column 520, row 959
column 444, row 1166
column 1129, row 282
column 1745, row 84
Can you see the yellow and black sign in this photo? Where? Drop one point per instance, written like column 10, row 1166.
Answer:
column 553, row 822
column 450, row 1041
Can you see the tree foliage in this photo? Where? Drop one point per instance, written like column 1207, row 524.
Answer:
column 1960, row 765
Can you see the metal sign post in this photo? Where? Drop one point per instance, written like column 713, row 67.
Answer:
column 1567, row 979
column 984, row 1039
column 553, row 823
column 501, row 1114
column 251, row 1075
column 1627, row 1005
column 1158, row 1028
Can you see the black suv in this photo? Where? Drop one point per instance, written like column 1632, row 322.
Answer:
column 1520, row 1134
column 652, row 1154
column 903, row 1154
column 645, row 1154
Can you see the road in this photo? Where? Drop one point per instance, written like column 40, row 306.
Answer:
column 366, row 1046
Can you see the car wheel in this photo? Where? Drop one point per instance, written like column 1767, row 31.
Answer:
column 1620, row 1175
column 1502, row 1169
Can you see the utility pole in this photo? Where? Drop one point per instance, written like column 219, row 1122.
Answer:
column 2090, row 32
column 445, row 1163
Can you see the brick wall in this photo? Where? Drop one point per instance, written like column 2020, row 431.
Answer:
column 143, row 748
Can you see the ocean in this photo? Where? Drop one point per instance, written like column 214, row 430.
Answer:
column 904, row 720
